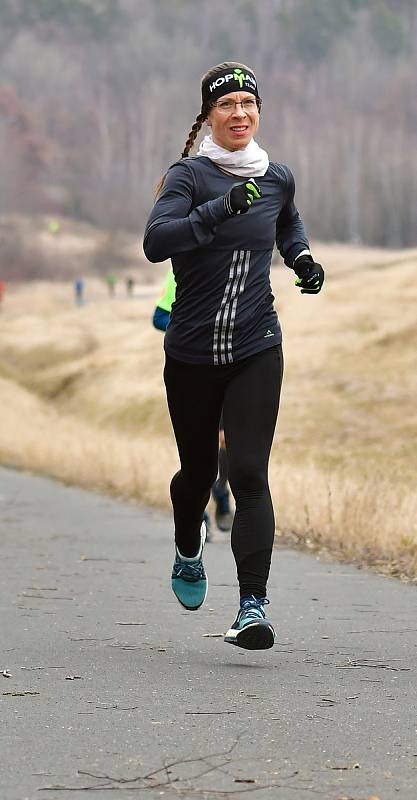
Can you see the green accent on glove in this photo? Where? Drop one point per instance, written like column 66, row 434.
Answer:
column 254, row 189
column 240, row 196
column 315, row 287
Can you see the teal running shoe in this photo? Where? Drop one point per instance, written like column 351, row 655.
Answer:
column 251, row 628
column 189, row 580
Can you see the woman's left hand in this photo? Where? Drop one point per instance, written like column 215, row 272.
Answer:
column 310, row 275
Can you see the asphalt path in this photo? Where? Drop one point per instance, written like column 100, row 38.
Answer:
column 111, row 689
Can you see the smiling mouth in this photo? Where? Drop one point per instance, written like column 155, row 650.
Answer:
column 239, row 128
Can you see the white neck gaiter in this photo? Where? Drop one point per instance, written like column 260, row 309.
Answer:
column 251, row 162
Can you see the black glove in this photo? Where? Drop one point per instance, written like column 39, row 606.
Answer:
column 239, row 198
column 310, row 276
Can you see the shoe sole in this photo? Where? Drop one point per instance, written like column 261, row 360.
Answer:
column 224, row 526
column 255, row 636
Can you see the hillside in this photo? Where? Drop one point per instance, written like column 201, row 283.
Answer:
column 60, row 248
column 83, row 399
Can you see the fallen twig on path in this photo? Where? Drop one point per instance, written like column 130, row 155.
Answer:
column 146, row 782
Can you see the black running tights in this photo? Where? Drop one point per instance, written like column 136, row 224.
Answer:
column 248, row 391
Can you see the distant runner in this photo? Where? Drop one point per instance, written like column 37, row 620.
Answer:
column 111, row 284
column 79, row 291
column 220, row 489
column 130, row 286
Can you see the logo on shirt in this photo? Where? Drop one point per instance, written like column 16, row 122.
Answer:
column 268, row 334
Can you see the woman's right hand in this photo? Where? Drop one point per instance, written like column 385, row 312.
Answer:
column 240, row 197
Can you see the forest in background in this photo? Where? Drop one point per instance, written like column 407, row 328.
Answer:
column 97, row 98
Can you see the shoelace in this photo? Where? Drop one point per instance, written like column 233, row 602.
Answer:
column 253, row 607
column 184, row 569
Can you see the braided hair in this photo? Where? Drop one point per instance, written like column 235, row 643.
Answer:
column 193, row 134
column 189, row 143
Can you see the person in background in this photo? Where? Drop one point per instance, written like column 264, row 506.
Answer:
column 54, row 227
column 111, row 284
column 79, row 291
column 162, row 312
column 217, row 217
column 130, row 286
column 220, row 490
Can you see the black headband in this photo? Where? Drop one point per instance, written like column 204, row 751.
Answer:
column 228, row 80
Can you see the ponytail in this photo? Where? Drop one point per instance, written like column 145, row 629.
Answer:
column 187, row 147
column 193, row 135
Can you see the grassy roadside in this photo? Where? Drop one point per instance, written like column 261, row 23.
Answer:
column 83, row 400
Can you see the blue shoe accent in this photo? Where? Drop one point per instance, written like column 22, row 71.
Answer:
column 251, row 628
column 189, row 580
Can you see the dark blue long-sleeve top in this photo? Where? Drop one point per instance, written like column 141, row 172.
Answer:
column 223, row 310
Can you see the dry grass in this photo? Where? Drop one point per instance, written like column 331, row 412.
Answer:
column 83, row 400
column 29, row 250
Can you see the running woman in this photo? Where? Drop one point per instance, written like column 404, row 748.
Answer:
column 217, row 216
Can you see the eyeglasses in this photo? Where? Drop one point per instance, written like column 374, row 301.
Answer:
column 227, row 106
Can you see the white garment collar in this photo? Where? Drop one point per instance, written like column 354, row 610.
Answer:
column 251, row 162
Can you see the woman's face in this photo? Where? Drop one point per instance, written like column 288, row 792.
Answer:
column 234, row 120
